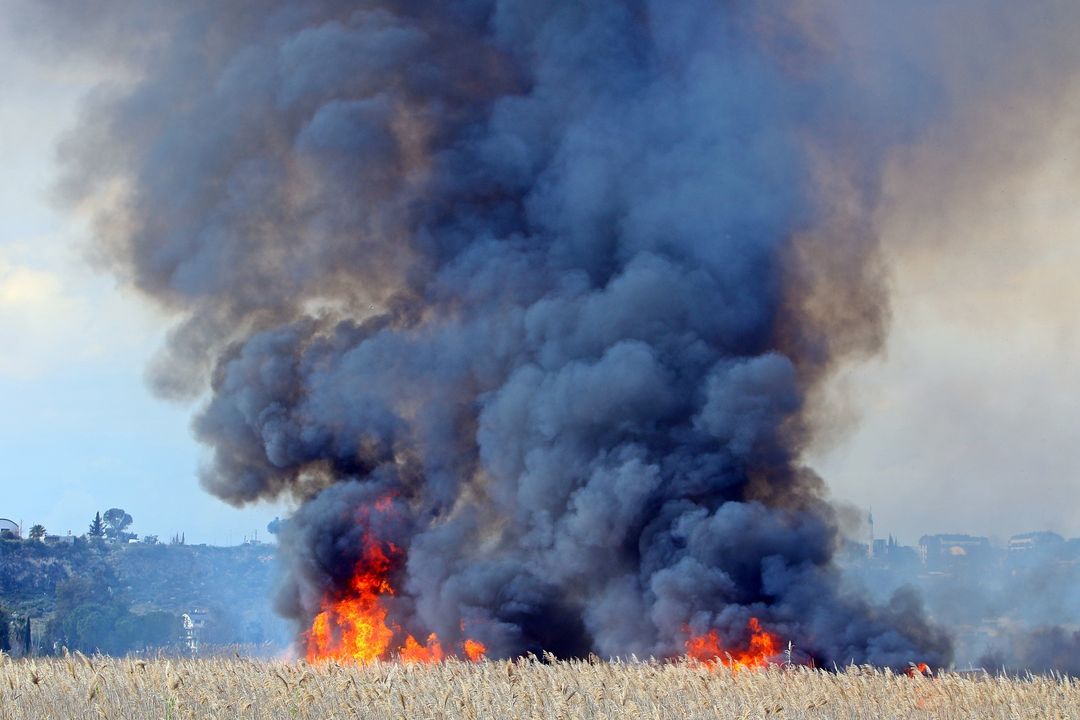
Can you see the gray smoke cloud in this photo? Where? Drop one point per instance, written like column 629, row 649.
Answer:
column 555, row 278
column 1043, row 650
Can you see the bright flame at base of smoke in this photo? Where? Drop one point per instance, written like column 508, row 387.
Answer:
column 475, row 650
column 759, row 653
column 355, row 628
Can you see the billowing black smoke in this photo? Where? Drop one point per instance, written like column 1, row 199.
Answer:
column 554, row 278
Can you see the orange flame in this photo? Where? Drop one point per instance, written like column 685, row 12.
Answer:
column 475, row 650
column 762, row 648
column 414, row 652
column 917, row 669
column 354, row 627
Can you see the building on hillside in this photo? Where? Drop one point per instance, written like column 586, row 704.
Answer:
column 1036, row 542
column 946, row 552
column 10, row 530
column 886, row 551
column 871, row 545
column 891, row 552
column 194, row 624
column 190, row 640
column 852, row 551
column 1035, row 549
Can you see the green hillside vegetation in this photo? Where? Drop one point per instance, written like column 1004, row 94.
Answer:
column 93, row 595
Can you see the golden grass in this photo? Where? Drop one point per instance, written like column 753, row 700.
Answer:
column 79, row 687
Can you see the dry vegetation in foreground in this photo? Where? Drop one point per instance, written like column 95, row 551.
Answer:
column 80, row 687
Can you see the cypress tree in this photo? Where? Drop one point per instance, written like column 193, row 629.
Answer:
column 5, row 622
column 97, row 528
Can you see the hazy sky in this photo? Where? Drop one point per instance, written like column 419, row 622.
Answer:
column 79, row 432
column 968, row 421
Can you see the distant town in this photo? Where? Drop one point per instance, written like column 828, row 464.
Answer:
column 948, row 552
column 1012, row 599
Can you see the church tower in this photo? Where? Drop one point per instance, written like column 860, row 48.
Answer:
column 870, row 523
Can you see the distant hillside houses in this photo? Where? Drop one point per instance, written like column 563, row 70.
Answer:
column 1037, row 541
column 945, row 552
column 9, row 530
column 936, row 550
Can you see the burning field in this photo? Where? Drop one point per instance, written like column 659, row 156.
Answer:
column 79, row 688
column 521, row 304
column 523, row 307
column 353, row 625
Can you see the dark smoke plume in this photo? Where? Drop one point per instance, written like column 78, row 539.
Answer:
column 556, row 277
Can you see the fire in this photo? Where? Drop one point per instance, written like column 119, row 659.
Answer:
column 917, row 669
column 762, row 648
column 354, row 626
column 475, row 650
column 417, row 653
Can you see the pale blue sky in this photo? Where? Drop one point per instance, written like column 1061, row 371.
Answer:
column 79, row 432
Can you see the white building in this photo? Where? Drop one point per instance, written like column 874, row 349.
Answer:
column 9, row 529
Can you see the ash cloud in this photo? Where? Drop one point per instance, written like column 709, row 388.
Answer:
column 556, row 277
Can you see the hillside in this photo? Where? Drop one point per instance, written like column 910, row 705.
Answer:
column 233, row 585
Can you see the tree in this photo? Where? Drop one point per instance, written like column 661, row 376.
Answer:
column 80, row 589
column 97, row 528
column 90, row 617
column 5, row 622
column 150, row 630
column 90, row 627
column 84, row 605
column 37, row 532
column 116, row 522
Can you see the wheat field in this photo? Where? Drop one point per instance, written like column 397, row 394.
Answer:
column 81, row 687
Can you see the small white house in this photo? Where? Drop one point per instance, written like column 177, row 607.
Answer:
column 9, row 529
